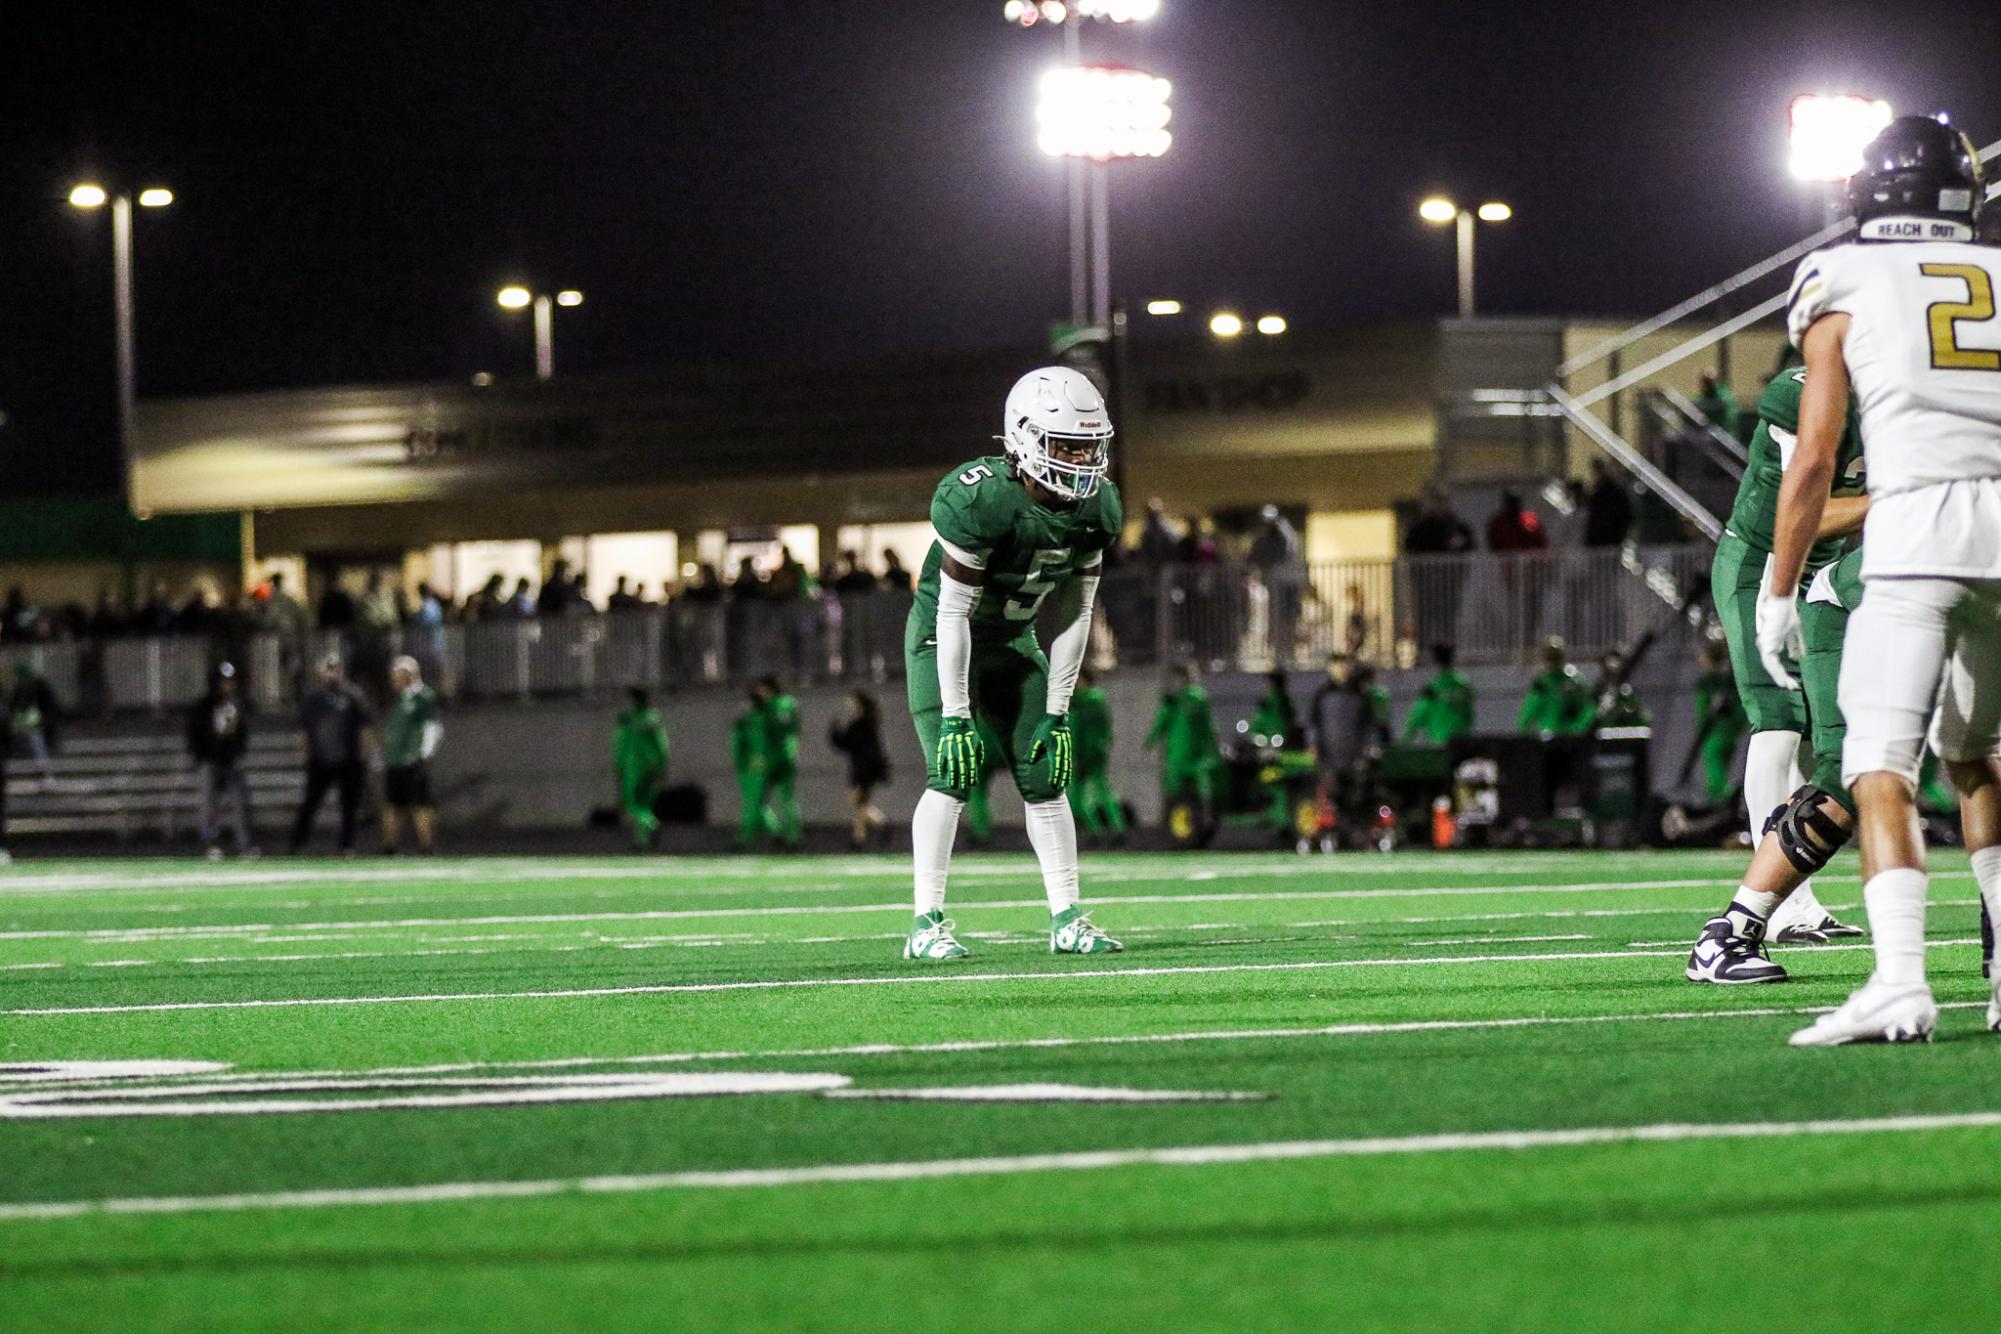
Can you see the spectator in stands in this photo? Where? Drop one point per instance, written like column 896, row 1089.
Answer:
column 558, row 591
column 336, row 607
column 1159, row 539
column 284, row 615
column 410, row 738
column 376, row 618
column 489, row 602
column 1350, row 722
column 218, row 732
column 639, row 754
column 623, row 598
column 1558, row 702
column 426, row 635
column 33, row 716
column 1717, row 402
column 1615, row 702
column 894, row 576
column 1444, row 709
column 522, row 603
column 1608, row 508
column 858, row 735
column 1515, row 527
column 17, row 616
column 1278, row 557
column 110, row 618
column 1436, row 585
column 335, row 717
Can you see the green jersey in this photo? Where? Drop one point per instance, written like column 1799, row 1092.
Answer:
column 1444, row 710
column 1027, row 549
column 1719, row 709
column 403, row 731
column 1756, row 512
column 1558, row 704
column 750, row 741
column 1840, row 583
column 781, row 733
column 640, row 744
column 1091, row 728
column 1184, row 729
column 1277, row 721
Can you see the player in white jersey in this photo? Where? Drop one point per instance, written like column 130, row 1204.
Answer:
column 1907, row 316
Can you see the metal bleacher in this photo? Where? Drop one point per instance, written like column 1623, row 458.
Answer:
column 130, row 786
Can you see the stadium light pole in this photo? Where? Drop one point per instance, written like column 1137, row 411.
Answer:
column 1093, row 114
column 1439, row 211
column 1826, row 135
column 1087, row 195
column 88, row 196
column 516, row 297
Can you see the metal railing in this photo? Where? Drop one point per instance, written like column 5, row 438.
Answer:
column 1492, row 608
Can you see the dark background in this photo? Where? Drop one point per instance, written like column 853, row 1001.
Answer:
column 818, row 180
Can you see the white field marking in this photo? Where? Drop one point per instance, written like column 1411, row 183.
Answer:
column 1042, row 1093
column 809, row 910
column 226, row 1098
column 62, row 1072
column 1503, row 940
column 917, row 979
column 1096, row 1160
column 975, row 1045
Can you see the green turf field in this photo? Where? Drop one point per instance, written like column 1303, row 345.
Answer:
column 1443, row 1091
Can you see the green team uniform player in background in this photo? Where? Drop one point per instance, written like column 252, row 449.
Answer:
column 781, row 762
column 1774, row 766
column 1012, row 531
column 639, row 754
column 1444, row 709
column 1184, row 728
column 750, row 756
column 1720, row 721
column 1558, row 702
column 1091, row 794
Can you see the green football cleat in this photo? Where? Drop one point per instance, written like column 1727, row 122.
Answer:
column 1072, row 932
column 931, row 938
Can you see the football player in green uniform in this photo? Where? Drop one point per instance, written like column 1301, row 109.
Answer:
column 781, row 762
column 1773, row 763
column 1012, row 531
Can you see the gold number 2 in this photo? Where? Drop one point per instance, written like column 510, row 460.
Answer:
column 1944, row 317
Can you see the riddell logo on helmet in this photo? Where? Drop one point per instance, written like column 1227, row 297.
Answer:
column 1089, row 426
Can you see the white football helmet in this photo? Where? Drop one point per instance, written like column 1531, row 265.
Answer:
column 1061, row 404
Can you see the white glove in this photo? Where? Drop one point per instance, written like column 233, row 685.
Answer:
column 1779, row 633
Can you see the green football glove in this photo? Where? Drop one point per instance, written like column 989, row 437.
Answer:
column 961, row 754
column 1052, row 738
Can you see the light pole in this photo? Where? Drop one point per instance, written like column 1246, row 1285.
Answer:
column 1090, row 302
column 1438, row 212
column 1092, row 114
column 516, row 297
column 89, row 195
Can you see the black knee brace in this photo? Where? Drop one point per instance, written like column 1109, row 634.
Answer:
column 1808, row 835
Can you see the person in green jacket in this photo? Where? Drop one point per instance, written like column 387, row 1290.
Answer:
column 1720, row 721
column 750, row 754
column 1558, row 702
column 781, row 761
column 1275, row 721
column 1617, row 703
column 1091, row 794
column 1444, row 709
column 639, row 753
column 1185, row 731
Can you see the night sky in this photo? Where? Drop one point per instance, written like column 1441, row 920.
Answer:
column 816, row 179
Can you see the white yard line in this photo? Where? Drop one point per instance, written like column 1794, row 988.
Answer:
column 917, row 979
column 1205, row 1155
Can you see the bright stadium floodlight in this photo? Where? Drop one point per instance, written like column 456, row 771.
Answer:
column 1163, row 307
column 1495, row 213
column 1828, row 133
column 157, row 196
column 1225, row 325
column 514, row 298
column 569, row 296
column 1271, row 325
column 1438, row 210
column 88, row 195
column 1103, row 112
